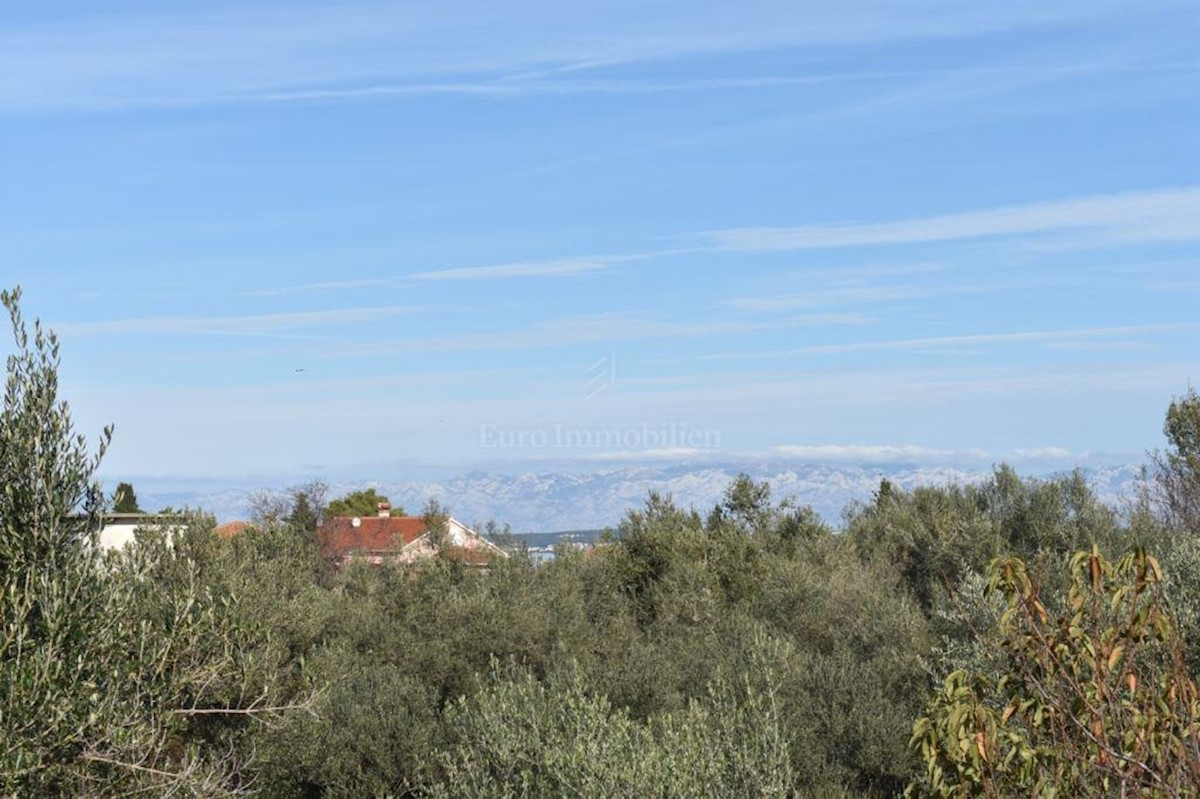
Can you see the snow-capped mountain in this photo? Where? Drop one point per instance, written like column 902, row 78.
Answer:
column 537, row 502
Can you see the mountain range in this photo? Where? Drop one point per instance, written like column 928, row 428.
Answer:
column 572, row 500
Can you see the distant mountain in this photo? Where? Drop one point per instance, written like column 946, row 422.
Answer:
column 545, row 502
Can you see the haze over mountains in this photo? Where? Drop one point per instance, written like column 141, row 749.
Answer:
column 533, row 501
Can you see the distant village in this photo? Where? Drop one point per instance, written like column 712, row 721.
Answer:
column 382, row 537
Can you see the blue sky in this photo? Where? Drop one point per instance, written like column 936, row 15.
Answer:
column 380, row 238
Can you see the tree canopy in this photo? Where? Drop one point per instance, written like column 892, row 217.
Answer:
column 125, row 499
column 364, row 502
column 121, row 673
column 1177, row 469
column 1012, row 636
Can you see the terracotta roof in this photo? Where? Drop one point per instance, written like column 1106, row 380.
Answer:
column 230, row 529
column 338, row 535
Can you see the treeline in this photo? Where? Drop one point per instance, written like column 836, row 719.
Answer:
column 1015, row 637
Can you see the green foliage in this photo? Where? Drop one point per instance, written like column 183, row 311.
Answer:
column 857, row 679
column 125, row 499
column 1182, row 429
column 373, row 729
column 1177, row 469
column 663, row 638
column 966, row 626
column 52, row 608
column 436, row 518
column 1181, row 589
column 300, row 508
column 935, row 537
column 119, row 674
column 47, row 470
column 748, row 503
column 303, row 516
column 1095, row 702
column 520, row 736
column 307, row 508
column 747, row 650
column 359, row 503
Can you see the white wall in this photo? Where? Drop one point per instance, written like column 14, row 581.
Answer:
column 115, row 536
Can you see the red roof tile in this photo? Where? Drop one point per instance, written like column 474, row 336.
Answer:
column 338, row 536
column 230, row 529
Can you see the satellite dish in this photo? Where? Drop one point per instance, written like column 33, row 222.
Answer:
column 356, row 522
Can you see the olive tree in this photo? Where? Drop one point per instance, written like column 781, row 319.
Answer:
column 54, row 691
column 518, row 736
column 118, row 672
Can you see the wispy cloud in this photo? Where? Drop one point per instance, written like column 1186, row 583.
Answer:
column 562, row 267
column 1046, row 337
column 861, row 295
column 1143, row 216
column 309, row 51
column 328, row 285
column 656, row 454
column 1174, row 285
column 1085, row 345
column 565, row 267
column 867, row 453
column 601, row 328
column 513, row 86
column 570, row 266
column 915, row 453
column 1048, row 454
column 255, row 325
column 859, row 274
column 1018, row 337
column 1147, row 216
column 933, row 99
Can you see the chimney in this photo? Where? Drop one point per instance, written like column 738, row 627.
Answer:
column 385, row 510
